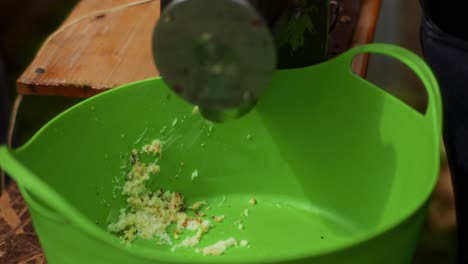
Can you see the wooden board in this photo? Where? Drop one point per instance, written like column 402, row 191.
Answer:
column 101, row 46
column 364, row 32
column 101, row 49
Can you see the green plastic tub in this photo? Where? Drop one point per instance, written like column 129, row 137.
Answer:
column 341, row 170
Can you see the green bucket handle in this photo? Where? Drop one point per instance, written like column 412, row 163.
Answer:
column 411, row 60
column 30, row 183
column 60, row 210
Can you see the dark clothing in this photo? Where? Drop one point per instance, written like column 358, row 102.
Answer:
column 4, row 101
column 448, row 15
column 447, row 55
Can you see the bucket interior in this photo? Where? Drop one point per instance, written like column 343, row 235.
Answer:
column 329, row 166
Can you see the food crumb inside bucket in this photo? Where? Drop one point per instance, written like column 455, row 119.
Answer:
column 151, row 214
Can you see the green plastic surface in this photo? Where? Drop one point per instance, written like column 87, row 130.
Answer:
column 341, row 170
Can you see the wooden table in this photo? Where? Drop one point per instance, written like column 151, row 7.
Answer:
column 107, row 43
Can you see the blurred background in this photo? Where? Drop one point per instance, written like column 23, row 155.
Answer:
column 399, row 23
column 25, row 24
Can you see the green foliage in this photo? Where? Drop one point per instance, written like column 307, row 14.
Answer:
column 294, row 24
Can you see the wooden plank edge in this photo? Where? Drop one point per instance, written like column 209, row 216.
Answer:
column 77, row 91
column 364, row 33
